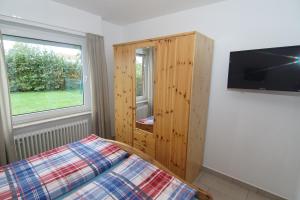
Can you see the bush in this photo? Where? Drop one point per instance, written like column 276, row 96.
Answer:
column 30, row 69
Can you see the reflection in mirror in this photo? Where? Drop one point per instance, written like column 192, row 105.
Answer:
column 144, row 88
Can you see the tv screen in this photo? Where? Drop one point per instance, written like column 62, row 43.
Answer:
column 265, row 69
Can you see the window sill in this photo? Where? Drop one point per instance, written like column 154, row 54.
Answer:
column 141, row 101
column 24, row 125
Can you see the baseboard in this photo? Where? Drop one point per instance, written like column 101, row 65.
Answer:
column 243, row 184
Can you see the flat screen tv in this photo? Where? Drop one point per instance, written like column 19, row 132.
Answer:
column 265, row 69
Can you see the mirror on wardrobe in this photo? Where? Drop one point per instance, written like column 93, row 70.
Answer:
column 144, row 76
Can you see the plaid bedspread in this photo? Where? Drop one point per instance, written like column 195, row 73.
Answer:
column 58, row 171
column 134, row 178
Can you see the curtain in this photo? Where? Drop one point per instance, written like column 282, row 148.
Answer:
column 7, row 148
column 99, row 79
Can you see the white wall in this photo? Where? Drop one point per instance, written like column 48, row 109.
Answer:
column 254, row 137
column 47, row 12
column 112, row 35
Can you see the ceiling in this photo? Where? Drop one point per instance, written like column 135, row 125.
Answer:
column 128, row 11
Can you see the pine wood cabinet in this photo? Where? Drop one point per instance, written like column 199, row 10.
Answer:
column 180, row 100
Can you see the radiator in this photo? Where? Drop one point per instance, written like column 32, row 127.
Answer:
column 142, row 111
column 32, row 143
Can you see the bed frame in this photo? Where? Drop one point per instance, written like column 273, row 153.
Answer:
column 201, row 194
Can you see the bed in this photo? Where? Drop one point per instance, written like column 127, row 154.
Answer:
column 145, row 124
column 93, row 168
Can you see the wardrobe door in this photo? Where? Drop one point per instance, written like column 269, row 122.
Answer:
column 185, row 47
column 124, row 63
column 199, row 105
column 164, row 99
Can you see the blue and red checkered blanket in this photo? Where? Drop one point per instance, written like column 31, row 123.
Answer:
column 134, row 178
column 75, row 171
column 58, row 171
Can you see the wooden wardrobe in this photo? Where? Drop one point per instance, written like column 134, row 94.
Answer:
column 180, row 100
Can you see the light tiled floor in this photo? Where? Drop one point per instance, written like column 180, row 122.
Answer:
column 223, row 189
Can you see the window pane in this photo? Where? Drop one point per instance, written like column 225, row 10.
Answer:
column 43, row 75
column 139, row 76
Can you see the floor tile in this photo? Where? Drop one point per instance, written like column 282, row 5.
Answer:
column 207, row 179
column 217, row 195
column 231, row 189
column 225, row 189
column 256, row 196
column 200, row 185
column 235, row 191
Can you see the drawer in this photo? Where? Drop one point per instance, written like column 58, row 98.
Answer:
column 145, row 142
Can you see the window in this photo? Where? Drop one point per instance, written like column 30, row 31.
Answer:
column 47, row 76
column 140, row 76
column 144, row 74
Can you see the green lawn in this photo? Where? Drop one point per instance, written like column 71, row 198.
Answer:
column 28, row 102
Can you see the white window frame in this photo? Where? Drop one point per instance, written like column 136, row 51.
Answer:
column 26, row 31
